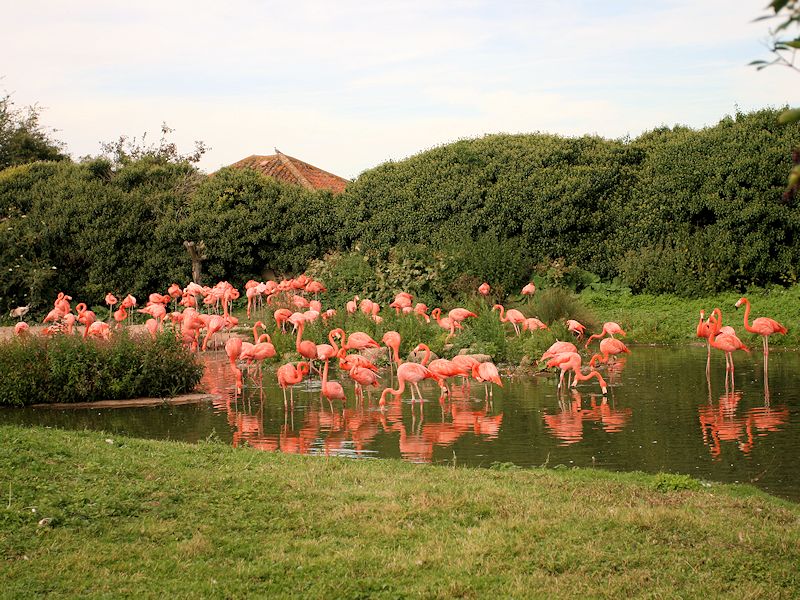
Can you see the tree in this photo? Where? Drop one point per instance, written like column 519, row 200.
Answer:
column 22, row 137
column 125, row 150
column 784, row 51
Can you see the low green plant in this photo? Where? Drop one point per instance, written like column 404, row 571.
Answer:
column 674, row 482
column 69, row 369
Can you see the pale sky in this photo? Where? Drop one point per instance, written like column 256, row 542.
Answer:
column 348, row 85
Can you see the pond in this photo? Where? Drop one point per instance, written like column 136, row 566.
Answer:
column 661, row 414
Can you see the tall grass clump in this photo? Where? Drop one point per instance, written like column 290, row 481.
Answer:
column 69, row 369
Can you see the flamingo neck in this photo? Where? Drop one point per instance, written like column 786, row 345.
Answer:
column 427, row 356
column 747, row 326
column 325, row 374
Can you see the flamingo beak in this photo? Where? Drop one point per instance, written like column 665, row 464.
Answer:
column 605, row 390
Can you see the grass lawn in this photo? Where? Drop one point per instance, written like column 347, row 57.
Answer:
column 84, row 515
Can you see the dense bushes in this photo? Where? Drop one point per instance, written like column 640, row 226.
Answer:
column 674, row 210
column 66, row 368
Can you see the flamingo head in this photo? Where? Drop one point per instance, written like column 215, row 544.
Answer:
column 740, row 301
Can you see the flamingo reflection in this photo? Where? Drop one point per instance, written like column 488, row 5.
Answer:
column 567, row 425
column 721, row 423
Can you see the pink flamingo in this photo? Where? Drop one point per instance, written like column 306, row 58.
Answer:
column 609, row 347
column 332, row 390
column 22, row 329
column 442, row 367
column 411, row 373
column 763, row 326
column 558, row 348
column 484, row 289
column 512, row 315
column 728, row 343
column 486, row 373
column 85, row 317
column 281, row 315
column 290, row 375
column 566, row 361
column 306, row 348
column 529, row 289
column 445, row 323
column 609, row 328
column 460, row 314
column 392, row 341
column 532, row 324
column 576, row 328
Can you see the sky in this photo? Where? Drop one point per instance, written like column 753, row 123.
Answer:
column 349, row 85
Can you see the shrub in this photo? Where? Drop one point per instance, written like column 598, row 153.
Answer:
column 69, row 369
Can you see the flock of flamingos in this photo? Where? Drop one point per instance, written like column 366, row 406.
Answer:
column 201, row 312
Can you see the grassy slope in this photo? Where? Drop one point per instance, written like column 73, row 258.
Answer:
column 163, row 519
column 671, row 319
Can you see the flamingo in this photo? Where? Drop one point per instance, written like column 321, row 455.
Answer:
column 332, row 390
column 609, row 328
column 306, row 348
column 512, row 315
column 215, row 324
column 609, row 347
column 281, row 315
column 576, row 328
column 446, row 323
column 484, row 289
column 728, row 343
column 392, row 341
column 442, row 367
column 358, row 340
column 486, row 372
column 363, row 377
column 704, row 329
column 558, row 348
column 460, row 314
column 85, row 317
column 763, row 326
column 22, row 329
column 532, row 324
column 411, row 373
column 566, row 361
column 99, row 329
column 529, row 289
column 289, row 375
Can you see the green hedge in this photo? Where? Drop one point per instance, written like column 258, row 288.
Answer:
column 66, row 368
column 675, row 210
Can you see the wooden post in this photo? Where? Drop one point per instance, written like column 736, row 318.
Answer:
column 197, row 252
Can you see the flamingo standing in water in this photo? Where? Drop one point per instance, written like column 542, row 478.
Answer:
column 609, row 347
column 233, row 348
column 442, row 367
column 332, row 390
column 289, row 375
column 728, row 343
column 609, row 328
column 486, row 373
column 411, row 373
column 392, row 341
column 763, row 326
column 558, row 348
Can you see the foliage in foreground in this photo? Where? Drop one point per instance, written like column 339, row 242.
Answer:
column 66, row 368
column 165, row 519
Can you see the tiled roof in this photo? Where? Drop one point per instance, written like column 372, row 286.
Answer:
column 291, row 170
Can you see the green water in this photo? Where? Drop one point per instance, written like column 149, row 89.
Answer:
column 661, row 414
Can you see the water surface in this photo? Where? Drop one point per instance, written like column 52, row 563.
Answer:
column 661, row 414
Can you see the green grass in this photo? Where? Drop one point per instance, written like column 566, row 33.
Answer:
column 85, row 516
column 666, row 319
